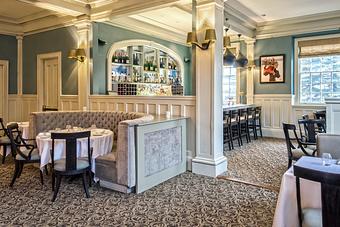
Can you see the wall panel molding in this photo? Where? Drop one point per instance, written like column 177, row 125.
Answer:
column 278, row 108
column 69, row 102
column 182, row 105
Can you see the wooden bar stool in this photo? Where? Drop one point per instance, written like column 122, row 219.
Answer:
column 243, row 125
column 227, row 137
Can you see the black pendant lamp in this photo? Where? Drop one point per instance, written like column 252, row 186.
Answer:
column 228, row 57
column 241, row 60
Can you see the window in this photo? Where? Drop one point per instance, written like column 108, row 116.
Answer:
column 319, row 78
column 229, row 85
column 318, row 69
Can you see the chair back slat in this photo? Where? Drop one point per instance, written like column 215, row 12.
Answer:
column 71, row 147
column 15, row 137
column 3, row 128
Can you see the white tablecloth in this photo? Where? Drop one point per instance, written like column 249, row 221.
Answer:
column 24, row 128
column 286, row 214
column 101, row 144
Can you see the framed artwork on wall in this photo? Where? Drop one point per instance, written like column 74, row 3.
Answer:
column 272, row 68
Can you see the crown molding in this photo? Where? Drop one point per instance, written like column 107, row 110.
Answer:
column 299, row 25
column 144, row 28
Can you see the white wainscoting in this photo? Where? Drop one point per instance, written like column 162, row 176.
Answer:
column 181, row 106
column 20, row 106
column 69, row 102
column 277, row 108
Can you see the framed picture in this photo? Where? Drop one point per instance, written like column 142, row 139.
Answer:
column 272, row 68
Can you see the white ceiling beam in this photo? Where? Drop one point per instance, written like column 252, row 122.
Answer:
column 238, row 21
column 61, row 6
column 130, row 7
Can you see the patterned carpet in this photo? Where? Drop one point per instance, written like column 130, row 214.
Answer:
column 263, row 162
column 186, row 200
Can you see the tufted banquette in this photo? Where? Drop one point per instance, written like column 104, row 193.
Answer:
column 117, row 167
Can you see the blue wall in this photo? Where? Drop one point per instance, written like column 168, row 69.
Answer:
column 8, row 51
column 113, row 34
column 281, row 45
column 62, row 39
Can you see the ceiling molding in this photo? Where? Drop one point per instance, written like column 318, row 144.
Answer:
column 144, row 28
column 238, row 21
column 299, row 25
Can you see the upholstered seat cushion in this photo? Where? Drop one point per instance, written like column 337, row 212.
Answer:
column 5, row 140
column 298, row 153
column 60, row 165
column 312, row 217
column 34, row 155
column 106, row 167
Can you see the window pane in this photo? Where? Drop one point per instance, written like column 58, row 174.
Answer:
column 229, row 85
column 316, row 64
column 316, row 82
column 327, row 64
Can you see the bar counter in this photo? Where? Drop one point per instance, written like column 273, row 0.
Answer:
column 237, row 106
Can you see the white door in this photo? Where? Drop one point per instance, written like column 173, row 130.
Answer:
column 51, row 83
column 3, row 89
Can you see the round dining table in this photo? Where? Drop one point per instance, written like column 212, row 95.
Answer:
column 101, row 141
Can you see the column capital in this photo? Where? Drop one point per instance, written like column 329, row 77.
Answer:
column 204, row 3
column 250, row 41
column 19, row 37
column 83, row 23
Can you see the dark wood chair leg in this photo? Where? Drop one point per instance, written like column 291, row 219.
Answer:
column 289, row 163
column 56, row 190
column 41, row 177
column 46, row 170
column 90, row 178
column 21, row 166
column 16, row 172
column 53, row 181
column 85, row 186
column 4, row 154
column 260, row 128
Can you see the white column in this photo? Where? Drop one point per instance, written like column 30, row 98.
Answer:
column 250, row 71
column 84, row 30
column 209, row 159
column 19, row 63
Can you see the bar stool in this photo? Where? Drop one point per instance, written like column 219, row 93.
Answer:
column 251, row 111
column 235, row 127
column 227, row 138
column 258, row 124
column 243, row 125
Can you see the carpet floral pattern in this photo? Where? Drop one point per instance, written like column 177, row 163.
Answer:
column 186, row 200
column 263, row 161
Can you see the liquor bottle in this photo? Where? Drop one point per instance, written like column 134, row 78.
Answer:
column 127, row 59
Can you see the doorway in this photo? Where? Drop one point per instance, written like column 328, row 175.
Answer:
column 3, row 89
column 49, row 80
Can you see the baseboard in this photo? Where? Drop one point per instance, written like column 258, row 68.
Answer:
column 115, row 187
column 273, row 132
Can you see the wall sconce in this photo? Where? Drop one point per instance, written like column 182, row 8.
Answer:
column 210, row 37
column 77, row 54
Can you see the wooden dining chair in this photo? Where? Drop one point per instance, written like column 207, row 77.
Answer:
column 4, row 140
column 299, row 149
column 71, row 165
column 329, row 213
column 22, row 152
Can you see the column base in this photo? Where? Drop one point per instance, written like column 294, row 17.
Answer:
column 209, row 167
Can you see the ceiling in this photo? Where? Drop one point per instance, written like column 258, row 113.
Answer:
column 13, row 9
column 278, row 9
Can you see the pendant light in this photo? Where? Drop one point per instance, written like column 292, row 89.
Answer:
column 228, row 57
column 241, row 60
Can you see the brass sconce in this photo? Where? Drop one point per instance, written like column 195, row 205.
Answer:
column 210, row 37
column 77, row 54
